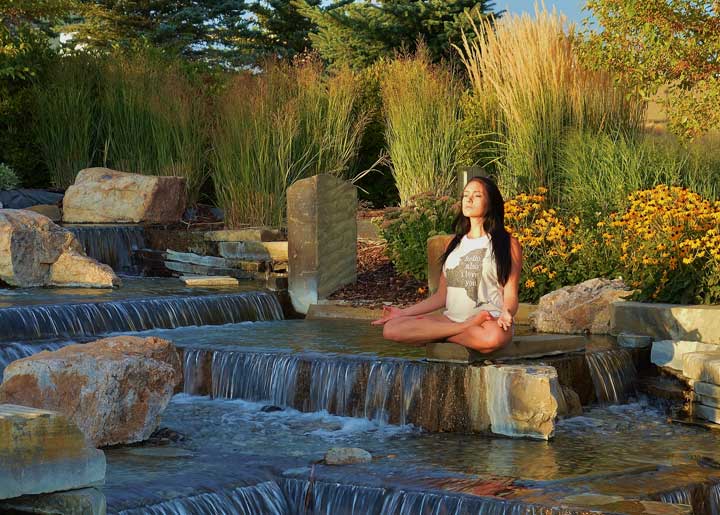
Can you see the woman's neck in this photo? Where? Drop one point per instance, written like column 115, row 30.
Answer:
column 477, row 229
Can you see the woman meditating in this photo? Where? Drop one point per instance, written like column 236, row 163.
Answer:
column 479, row 283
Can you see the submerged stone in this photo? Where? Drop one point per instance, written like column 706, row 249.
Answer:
column 114, row 389
column 101, row 195
column 36, row 252
column 581, row 308
column 84, row 501
column 43, row 451
column 347, row 456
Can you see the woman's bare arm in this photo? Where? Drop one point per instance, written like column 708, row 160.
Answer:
column 510, row 290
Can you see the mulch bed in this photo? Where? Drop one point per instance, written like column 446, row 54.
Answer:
column 378, row 283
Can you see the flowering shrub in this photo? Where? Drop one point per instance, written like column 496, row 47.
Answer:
column 407, row 229
column 668, row 242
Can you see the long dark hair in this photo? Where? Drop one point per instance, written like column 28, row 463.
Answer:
column 493, row 224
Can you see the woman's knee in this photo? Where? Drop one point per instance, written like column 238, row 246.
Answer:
column 390, row 330
column 487, row 341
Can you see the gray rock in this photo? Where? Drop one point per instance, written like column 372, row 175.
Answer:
column 669, row 353
column 634, row 341
column 347, row 456
column 667, row 321
column 84, row 501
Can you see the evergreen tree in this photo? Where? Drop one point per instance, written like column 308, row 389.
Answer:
column 362, row 32
column 210, row 30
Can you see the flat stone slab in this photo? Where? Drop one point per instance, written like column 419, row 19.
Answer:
column 707, row 389
column 669, row 353
column 190, row 269
column 320, row 311
column 254, row 250
column 529, row 346
column 634, row 341
column 209, row 280
column 42, row 451
column 195, row 259
column 707, row 412
column 667, row 321
column 247, row 234
column 702, row 366
column 84, row 501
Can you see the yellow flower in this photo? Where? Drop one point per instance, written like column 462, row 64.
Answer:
column 529, row 284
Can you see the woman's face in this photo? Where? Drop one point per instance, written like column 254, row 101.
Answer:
column 475, row 200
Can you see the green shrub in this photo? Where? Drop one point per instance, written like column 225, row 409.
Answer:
column 8, row 179
column 407, row 229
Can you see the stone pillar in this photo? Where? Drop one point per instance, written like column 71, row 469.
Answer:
column 435, row 248
column 322, row 238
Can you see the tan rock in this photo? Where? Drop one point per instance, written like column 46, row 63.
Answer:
column 347, row 456
column 114, row 389
column 209, row 280
column 36, row 252
column 247, row 234
column 42, row 451
column 701, row 365
column 571, row 405
column 671, row 353
column 584, row 307
column 101, row 195
column 522, row 400
column 436, row 246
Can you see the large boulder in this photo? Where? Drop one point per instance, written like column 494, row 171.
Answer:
column 36, row 252
column 114, row 389
column 101, row 195
column 581, row 308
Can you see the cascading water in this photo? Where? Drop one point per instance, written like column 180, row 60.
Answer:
column 679, row 496
column 613, row 373
column 113, row 245
column 347, row 387
column 91, row 319
column 10, row 352
column 265, row 498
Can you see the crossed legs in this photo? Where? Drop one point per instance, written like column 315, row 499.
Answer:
column 481, row 333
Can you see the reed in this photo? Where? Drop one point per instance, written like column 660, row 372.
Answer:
column 67, row 115
column 423, row 125
column 531, row 88
column 289, row 122
column 154, row 120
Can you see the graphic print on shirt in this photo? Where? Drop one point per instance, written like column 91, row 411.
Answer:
column 467, row 274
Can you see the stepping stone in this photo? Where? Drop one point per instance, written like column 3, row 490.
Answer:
column 209, row 280
column 529, row 346
column 669, row 353
column 42, row 451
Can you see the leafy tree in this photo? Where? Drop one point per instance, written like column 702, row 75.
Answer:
column 362, row 32
column 654, row 43
column 283, row 29
column 210, row 30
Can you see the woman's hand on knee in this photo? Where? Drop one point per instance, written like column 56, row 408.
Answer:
column 505, row 320
column 389, row 312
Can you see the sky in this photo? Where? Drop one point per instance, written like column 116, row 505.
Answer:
column 570, row 8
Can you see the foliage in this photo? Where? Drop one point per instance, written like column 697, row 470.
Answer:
column 599, row 171
column 529, row 88
column 360, row 33
column 422, row 113
column 177, row 27
column 654, row 43
column 290, row 122
column 407, row 229
column 8, row 179
column 669, row 245
column 69, row 92
column 153, row 119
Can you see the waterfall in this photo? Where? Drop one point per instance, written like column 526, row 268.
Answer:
column 10, row 352
column 113, row 244
column 265, row 498
column 682, row 495
column 96, row 318
column 318, row 497
column 613, row 373
column 383, row 390
column 714, row 501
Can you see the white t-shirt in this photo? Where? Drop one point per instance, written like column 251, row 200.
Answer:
column 472, row 282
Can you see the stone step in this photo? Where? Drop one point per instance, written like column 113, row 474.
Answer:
column 708, row 413
column 275, row 251
column 209, row 280
column 264, row 234
column 707, row 389
column 702, row 366
column 83, row 501
column 190, row 269
column 667, row 321
column 528, row 346
column 42, row 451
column 669, row 353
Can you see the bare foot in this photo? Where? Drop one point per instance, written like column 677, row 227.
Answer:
column 481, row 318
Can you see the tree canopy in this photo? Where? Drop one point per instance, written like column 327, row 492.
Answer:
column 654, row 43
